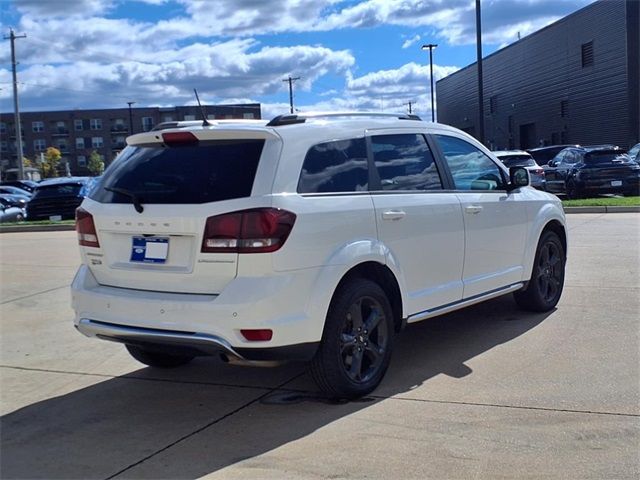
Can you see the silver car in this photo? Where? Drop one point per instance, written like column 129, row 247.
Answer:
column 520, row 158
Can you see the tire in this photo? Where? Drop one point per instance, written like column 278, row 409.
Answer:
column 157, row 359
column 547, row 278
column 573, row 192
column 356, row 343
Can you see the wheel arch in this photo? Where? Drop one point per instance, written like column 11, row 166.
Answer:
column 385, row 278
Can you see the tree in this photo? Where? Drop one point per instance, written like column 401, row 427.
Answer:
column 49, row 167
column 95, row 165
column 27, row 163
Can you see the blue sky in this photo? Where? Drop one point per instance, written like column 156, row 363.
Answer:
column 350, row 55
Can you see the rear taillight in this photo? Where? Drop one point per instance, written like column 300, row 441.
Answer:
column 258, row 230
column 260, row 335
column 87, row 235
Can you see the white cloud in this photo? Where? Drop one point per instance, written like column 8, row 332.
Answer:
column 411, row 41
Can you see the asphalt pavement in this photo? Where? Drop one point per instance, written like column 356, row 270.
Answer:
column 487, row 392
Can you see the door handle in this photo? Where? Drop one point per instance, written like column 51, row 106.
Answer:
column 393, row 215
column 473, row 209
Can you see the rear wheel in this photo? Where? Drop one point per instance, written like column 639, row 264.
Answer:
column 356, row 343
column 157, row 359
column 547, row 279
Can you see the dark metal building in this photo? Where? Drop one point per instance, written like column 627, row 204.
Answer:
column 77, row 133
column 574, row 81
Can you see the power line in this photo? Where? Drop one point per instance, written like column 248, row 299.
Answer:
column 12, row 37
column 291, row 80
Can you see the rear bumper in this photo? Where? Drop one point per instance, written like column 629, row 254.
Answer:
column 205, row 324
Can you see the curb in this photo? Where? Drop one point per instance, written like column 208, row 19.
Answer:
column 602, row 209
column 37, row 228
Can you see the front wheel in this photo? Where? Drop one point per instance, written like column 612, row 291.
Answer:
column 157, row 359
column 547, row 279
column 356, row 343
column 573, row 192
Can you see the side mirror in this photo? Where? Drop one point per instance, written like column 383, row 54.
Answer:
column 518, row 177
column 551, row 163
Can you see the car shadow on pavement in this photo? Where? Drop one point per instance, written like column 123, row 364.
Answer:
column 158, row 425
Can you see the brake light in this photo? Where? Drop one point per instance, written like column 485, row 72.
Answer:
column 87, row 235
column 179, row 138
column 258, row 230
column 539, row 171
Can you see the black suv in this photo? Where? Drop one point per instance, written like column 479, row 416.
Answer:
column 583, row 171
column 58, row 197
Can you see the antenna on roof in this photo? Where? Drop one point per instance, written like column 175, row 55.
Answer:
column 205, row 121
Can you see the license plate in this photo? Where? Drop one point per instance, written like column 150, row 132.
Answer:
column 149, row 249
column 616, row 183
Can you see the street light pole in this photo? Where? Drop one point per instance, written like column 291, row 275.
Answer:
column 431, row 46
column 479, row 62
column 130, row 117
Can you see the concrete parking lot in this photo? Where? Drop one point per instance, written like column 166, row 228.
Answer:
column 487, row 392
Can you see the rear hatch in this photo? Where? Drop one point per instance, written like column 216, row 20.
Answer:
column 151, row 207
column 608, row 166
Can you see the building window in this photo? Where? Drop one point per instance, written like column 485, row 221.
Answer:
column 3, row 127
column 168, row 118
column 3, row 146
column 147, row 123
column 248, row 116
column 119, row 125
column 564, row 108
column 78, row 125
column 96, row 124
column 96, row 142
column 493, row 104
column 39, row 145
column 587, row 54
column 61, row 127
column 79, row 143
column 38, row 126
column 82, row 161
column 62, row 145
column 189, row 117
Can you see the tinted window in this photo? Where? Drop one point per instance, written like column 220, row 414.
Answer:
column 517, row 161
column 404, row 162
column 63, row 190
column 339, row 166
column 605, row 157
column 471, row 169
column 571, row 157
column 208, row 172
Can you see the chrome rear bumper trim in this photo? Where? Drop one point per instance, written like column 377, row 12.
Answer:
column 206, row 343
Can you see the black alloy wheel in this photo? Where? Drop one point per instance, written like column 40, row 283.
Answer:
column 364, row 339
column 547, row 278
column 356, row 343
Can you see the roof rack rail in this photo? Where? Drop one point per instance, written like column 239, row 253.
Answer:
column 293, row 119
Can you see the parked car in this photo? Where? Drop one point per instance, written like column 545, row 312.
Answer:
column 583, row 171
column 11, row 190
column 310, row 238
column 634, row 153
column 519, row 158
column 10, row 213
column 28, row 185
column 542, row 155
column 58, row 197
column 19, row 201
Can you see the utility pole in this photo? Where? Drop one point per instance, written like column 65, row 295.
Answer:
column 410, row 103
column 479, row 56
column 431, row 46
column 291, row 80
column 130, row 118
column 12, row 37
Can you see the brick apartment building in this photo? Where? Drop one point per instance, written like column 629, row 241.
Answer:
column 77, row 133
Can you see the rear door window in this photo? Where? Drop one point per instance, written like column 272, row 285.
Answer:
column 338, row 166
column 405, row 162
column 192, row 174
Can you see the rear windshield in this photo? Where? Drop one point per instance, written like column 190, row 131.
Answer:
column 517, row 161
column 593, row 158
column 63, row 190
column 207, row 172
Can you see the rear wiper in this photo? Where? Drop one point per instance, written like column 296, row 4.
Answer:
column 136, row 200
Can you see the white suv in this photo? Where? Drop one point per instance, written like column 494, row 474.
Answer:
column 310, row 238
